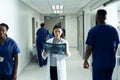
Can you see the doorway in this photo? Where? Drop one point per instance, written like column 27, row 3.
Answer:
column 51, row 21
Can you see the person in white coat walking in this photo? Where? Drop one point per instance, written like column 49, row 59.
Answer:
column 57, row 62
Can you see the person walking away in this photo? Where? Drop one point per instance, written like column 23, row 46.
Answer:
column 102, row 41
column 42, row 36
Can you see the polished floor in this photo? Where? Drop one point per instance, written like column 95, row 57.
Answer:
column 75, row 70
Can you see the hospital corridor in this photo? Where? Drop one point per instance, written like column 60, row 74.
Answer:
column 74, row 67
column 73, row 17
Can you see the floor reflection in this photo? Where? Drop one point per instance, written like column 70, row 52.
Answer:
column 75, row 70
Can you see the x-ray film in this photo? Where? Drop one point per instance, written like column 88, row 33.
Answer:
column 55, row 48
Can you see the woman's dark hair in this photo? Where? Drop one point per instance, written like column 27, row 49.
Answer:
column 55, row 27
column 63, row 34
column 5, row 25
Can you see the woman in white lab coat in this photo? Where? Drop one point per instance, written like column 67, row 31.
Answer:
column 57, row 62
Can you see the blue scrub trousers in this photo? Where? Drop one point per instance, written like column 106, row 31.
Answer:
column 39, row 52
column 102, row 74
column 5, row 77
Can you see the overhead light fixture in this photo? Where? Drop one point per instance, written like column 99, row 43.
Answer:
column 58, row 11
column 53, row 6
column 57, row 8
column 61, row 11
column 61, row 6
column 55, row 12
column 57, row 5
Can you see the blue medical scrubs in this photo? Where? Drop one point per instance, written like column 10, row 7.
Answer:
column 7, row 51
column 42, row 33
column 103, row 39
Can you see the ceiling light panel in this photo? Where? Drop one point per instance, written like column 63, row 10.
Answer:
column 53, row 6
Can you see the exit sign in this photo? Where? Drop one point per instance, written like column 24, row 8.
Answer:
column 54, row 15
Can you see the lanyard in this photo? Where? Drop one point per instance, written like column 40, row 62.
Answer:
column 54, row 42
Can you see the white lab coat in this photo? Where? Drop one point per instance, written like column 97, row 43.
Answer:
column 61, row 62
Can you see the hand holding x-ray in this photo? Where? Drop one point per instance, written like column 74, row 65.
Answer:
column 55, row 48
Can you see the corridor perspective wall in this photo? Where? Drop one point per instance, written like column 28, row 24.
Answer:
column 71, row 30
column 19, row 18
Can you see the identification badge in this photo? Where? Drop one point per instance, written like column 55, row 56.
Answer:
column 1, row 59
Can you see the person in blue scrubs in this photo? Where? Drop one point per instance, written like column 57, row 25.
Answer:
column 42, row 36
column 50, row 35
column 8, row 55
column 102, row 41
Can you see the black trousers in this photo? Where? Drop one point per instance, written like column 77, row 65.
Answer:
column 5, row 77
column 53, row 73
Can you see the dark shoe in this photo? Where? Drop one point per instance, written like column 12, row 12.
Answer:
column 41, row 65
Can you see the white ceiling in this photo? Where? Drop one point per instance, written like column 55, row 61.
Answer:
column 44, row 6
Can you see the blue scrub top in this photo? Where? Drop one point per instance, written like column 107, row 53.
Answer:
column 7, row 50
column 103, row 39
column 42, row 33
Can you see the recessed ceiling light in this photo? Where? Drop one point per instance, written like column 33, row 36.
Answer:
column 58, row 11
column 61, row 11
column 61, row 6
column 55, row 12
column 53, row 6
column 57, row 6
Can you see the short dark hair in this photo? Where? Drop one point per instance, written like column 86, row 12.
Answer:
column 102, row 12
column 5, row 25
column 42, row 24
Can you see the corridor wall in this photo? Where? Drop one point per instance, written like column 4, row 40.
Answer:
column 19, row 18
